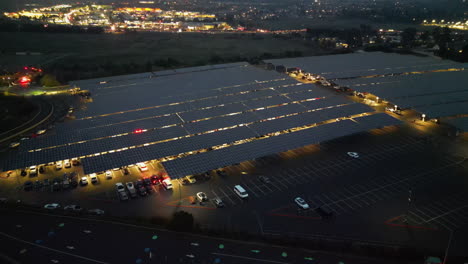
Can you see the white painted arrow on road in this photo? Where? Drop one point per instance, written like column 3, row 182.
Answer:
column 87, row 231
column 190, row 256
column 194, row 244
column 70, row 247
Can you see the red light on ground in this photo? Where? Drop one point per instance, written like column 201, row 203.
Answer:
column 138, row 131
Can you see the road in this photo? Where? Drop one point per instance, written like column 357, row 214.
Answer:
column 28, row 236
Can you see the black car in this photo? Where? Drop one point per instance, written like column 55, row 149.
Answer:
column 264, row 179
column 41, row 169
column 73, row 183
column 28, row 185
column 139, row 183
column 149, row 189
column 38, row 185
column 125, row 170
column 323, row 212
column 23, row 172
column 142, row 191
column 221, row 173
column 56, row 184
column 147, row 181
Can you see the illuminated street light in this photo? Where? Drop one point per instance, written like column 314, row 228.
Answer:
column 423, row 117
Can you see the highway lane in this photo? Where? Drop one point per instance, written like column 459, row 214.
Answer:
column 31, row 236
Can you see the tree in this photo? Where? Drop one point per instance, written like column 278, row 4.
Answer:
column 181, row 221
column 49, row 80
column 408, row 36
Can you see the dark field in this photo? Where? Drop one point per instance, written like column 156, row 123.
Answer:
column 80, row 56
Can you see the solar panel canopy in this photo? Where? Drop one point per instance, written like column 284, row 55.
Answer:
column 182, row 113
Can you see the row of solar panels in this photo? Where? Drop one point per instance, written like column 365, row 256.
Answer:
column 133, row 139
column 79, row 130
column 435, row 94
column 91, row 83
column 215, row 159
column 363, row 64
column 175, row 88
column 220, row 137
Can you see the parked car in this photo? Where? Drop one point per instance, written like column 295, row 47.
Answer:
column 40, row 132
column 28, row 185
column 52, row 206
column 142, row 191
column 83, row 181
column 218, row 202
column 264, row 179
column 131, row 189
column 301, row 203
column 108, row 174
column 353, row 154
column 139, row 183
column 14, row 145
column 32, row 171
column 167, row 184
column 73, row 208
column 94, row 178
column 23, row 172
column 73, row 183
column 147, row 181
column 123, row 195
column 41, row 169
column 120, row 187
column 324, row 212
column 38, row 185
column 154, row 179
column 75, row 162
column 96, row 212
column 58, row 165
column 125, row 171
column 202, row 197
column 142, row 166
column 67, row 163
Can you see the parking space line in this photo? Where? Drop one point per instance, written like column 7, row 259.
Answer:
column 227, row 196
column 249, row 189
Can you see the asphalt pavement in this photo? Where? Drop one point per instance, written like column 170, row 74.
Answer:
column 35, row 237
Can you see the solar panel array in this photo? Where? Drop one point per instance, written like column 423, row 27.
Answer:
column 436, row 94
column 215, row 159
column 363, row 64
column 137, row 118
column 461, row 123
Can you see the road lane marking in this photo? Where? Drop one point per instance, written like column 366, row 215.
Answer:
column 249, row 258
column 227, row 196
column 51, row 249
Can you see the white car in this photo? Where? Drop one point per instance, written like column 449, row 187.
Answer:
column 120, row 187
column 142, row 166
column 167, row 184
column 52, row 206
column 32, row 170
column 93, row 178
column 108, row 174
column 83, row 181
column 73, row 207
column 67, row 163
column 40, row 132
column 202, row 197
column 301, row 203
column 353, row 154
column 58, row 165
column 14, row 145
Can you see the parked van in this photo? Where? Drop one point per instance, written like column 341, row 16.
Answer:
column 239, row 190
column 167, row 184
